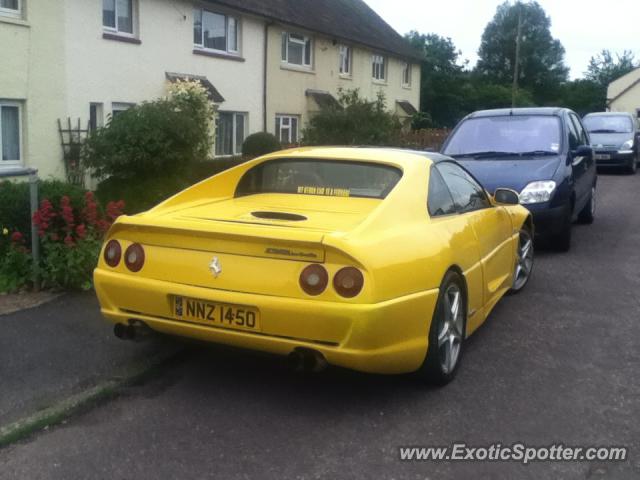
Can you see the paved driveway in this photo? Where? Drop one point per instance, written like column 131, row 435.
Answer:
column 558, row 363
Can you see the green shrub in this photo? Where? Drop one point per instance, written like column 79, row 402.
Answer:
column 15, row 268
column 260, row 143
column 354, row 121
column 160, row 138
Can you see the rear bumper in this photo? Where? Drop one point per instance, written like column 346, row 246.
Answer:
column 616, row 159
column 388, row 337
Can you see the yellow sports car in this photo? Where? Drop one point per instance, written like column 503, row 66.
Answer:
column 377, row 260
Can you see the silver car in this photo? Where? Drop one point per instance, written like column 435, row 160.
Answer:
column 615, row 139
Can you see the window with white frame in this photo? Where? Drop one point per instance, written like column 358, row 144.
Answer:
column 11, row 8
column 344, row 54
column 231, row 129
column 215, row 31
column 10, row 133
column 287, row 128
column 296, row 49
column 379, row 64
column 117, row 16
column 406, row 74
column 118, row 108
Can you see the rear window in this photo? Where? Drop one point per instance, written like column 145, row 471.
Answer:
column 328, row 178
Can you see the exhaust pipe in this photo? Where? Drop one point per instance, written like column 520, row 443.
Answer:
column 135, row 330
column 307, row 360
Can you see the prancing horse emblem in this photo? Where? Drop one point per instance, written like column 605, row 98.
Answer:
column 215, row 267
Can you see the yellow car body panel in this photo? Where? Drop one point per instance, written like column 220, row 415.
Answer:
column 402, row 253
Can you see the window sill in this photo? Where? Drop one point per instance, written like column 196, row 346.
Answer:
column 380, row 82
column 16, row 170
column 406, row 87
column 296, row 68
column 14, row 20
column 121, row 38
column 344, row 76
column 226, row 56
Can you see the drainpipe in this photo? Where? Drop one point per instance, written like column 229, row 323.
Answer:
column 264, row 75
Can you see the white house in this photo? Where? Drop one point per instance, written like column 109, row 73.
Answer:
column 623, row 94
column 267, row 65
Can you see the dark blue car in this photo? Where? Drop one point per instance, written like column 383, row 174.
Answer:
column 543, row 154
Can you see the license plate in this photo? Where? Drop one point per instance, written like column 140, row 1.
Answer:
column 603, row 156
column 223, row 315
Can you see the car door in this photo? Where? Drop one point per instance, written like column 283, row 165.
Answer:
column 462, row 244
column 583, row 167
column 491, row 224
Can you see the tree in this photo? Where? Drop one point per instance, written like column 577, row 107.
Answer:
column 541, row 68
column 604, row 68
column 584, row 96
column 354, row 121
column 442, row 80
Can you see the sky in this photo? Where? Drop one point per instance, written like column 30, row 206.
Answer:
column 584, row 27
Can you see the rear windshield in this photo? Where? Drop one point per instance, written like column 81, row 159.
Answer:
column 509, row 133
column 328, row 178
column 608, row 124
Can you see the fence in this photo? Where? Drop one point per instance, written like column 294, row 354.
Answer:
column 426, row 139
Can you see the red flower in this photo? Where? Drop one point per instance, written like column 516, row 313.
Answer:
column 43, row 216
column 81, row 231
column 54, row 237
column 103, row 225
column 114, row 209
column 90, row 211
column 17, row 237
column 68, row 241
column 67, row 213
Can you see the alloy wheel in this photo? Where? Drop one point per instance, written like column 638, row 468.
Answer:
column 451, row 328
column 524, row 263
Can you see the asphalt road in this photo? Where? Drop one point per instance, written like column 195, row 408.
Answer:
column 558, row 363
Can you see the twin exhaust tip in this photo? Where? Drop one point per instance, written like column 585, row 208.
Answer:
column 306, row 360
column 136, row 331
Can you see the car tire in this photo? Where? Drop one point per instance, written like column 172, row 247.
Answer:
column 524, row 261
column 447, row 332
column 562, row 241
column 588, row 213
column 632, row 168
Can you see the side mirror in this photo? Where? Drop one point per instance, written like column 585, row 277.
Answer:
column 583, row 151
column 506, row 196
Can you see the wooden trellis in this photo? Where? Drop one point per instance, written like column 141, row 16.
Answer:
column 71, row 138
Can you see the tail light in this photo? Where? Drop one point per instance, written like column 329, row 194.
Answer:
column 314, row 279
column 348, row 282
column 134, row 257
column 112, row 253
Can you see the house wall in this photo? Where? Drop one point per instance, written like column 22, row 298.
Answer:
column 32, row 59
column 107, row 71
column 629, row 101
column 287, row 85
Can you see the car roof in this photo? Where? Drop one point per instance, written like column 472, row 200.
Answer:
column 498, row 112
column 386, row 155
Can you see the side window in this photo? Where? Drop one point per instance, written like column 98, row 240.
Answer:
column 468, row 195
column 583, row 138
column 440, row 201
column 574, row 136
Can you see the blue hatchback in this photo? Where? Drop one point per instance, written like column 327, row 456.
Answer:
column 543, row 154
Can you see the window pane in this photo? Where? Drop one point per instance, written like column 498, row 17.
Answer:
column 239, row 132
column 467, row 194
column 278, row 127
column 10, row 4
column 125, row 16
column 284, row 47
column 10, row 133
column 307, row 52
column 440, row 201
column 197, row 27
column 295, row 53
column 294, row 130
column 224, row 134
column 233, row 34
column 214, row 27
column 109, row 13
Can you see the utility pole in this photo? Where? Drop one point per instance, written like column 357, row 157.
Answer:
column 516, row 67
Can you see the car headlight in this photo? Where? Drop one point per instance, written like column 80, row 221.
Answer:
column 537, row 192
column 628, row 145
